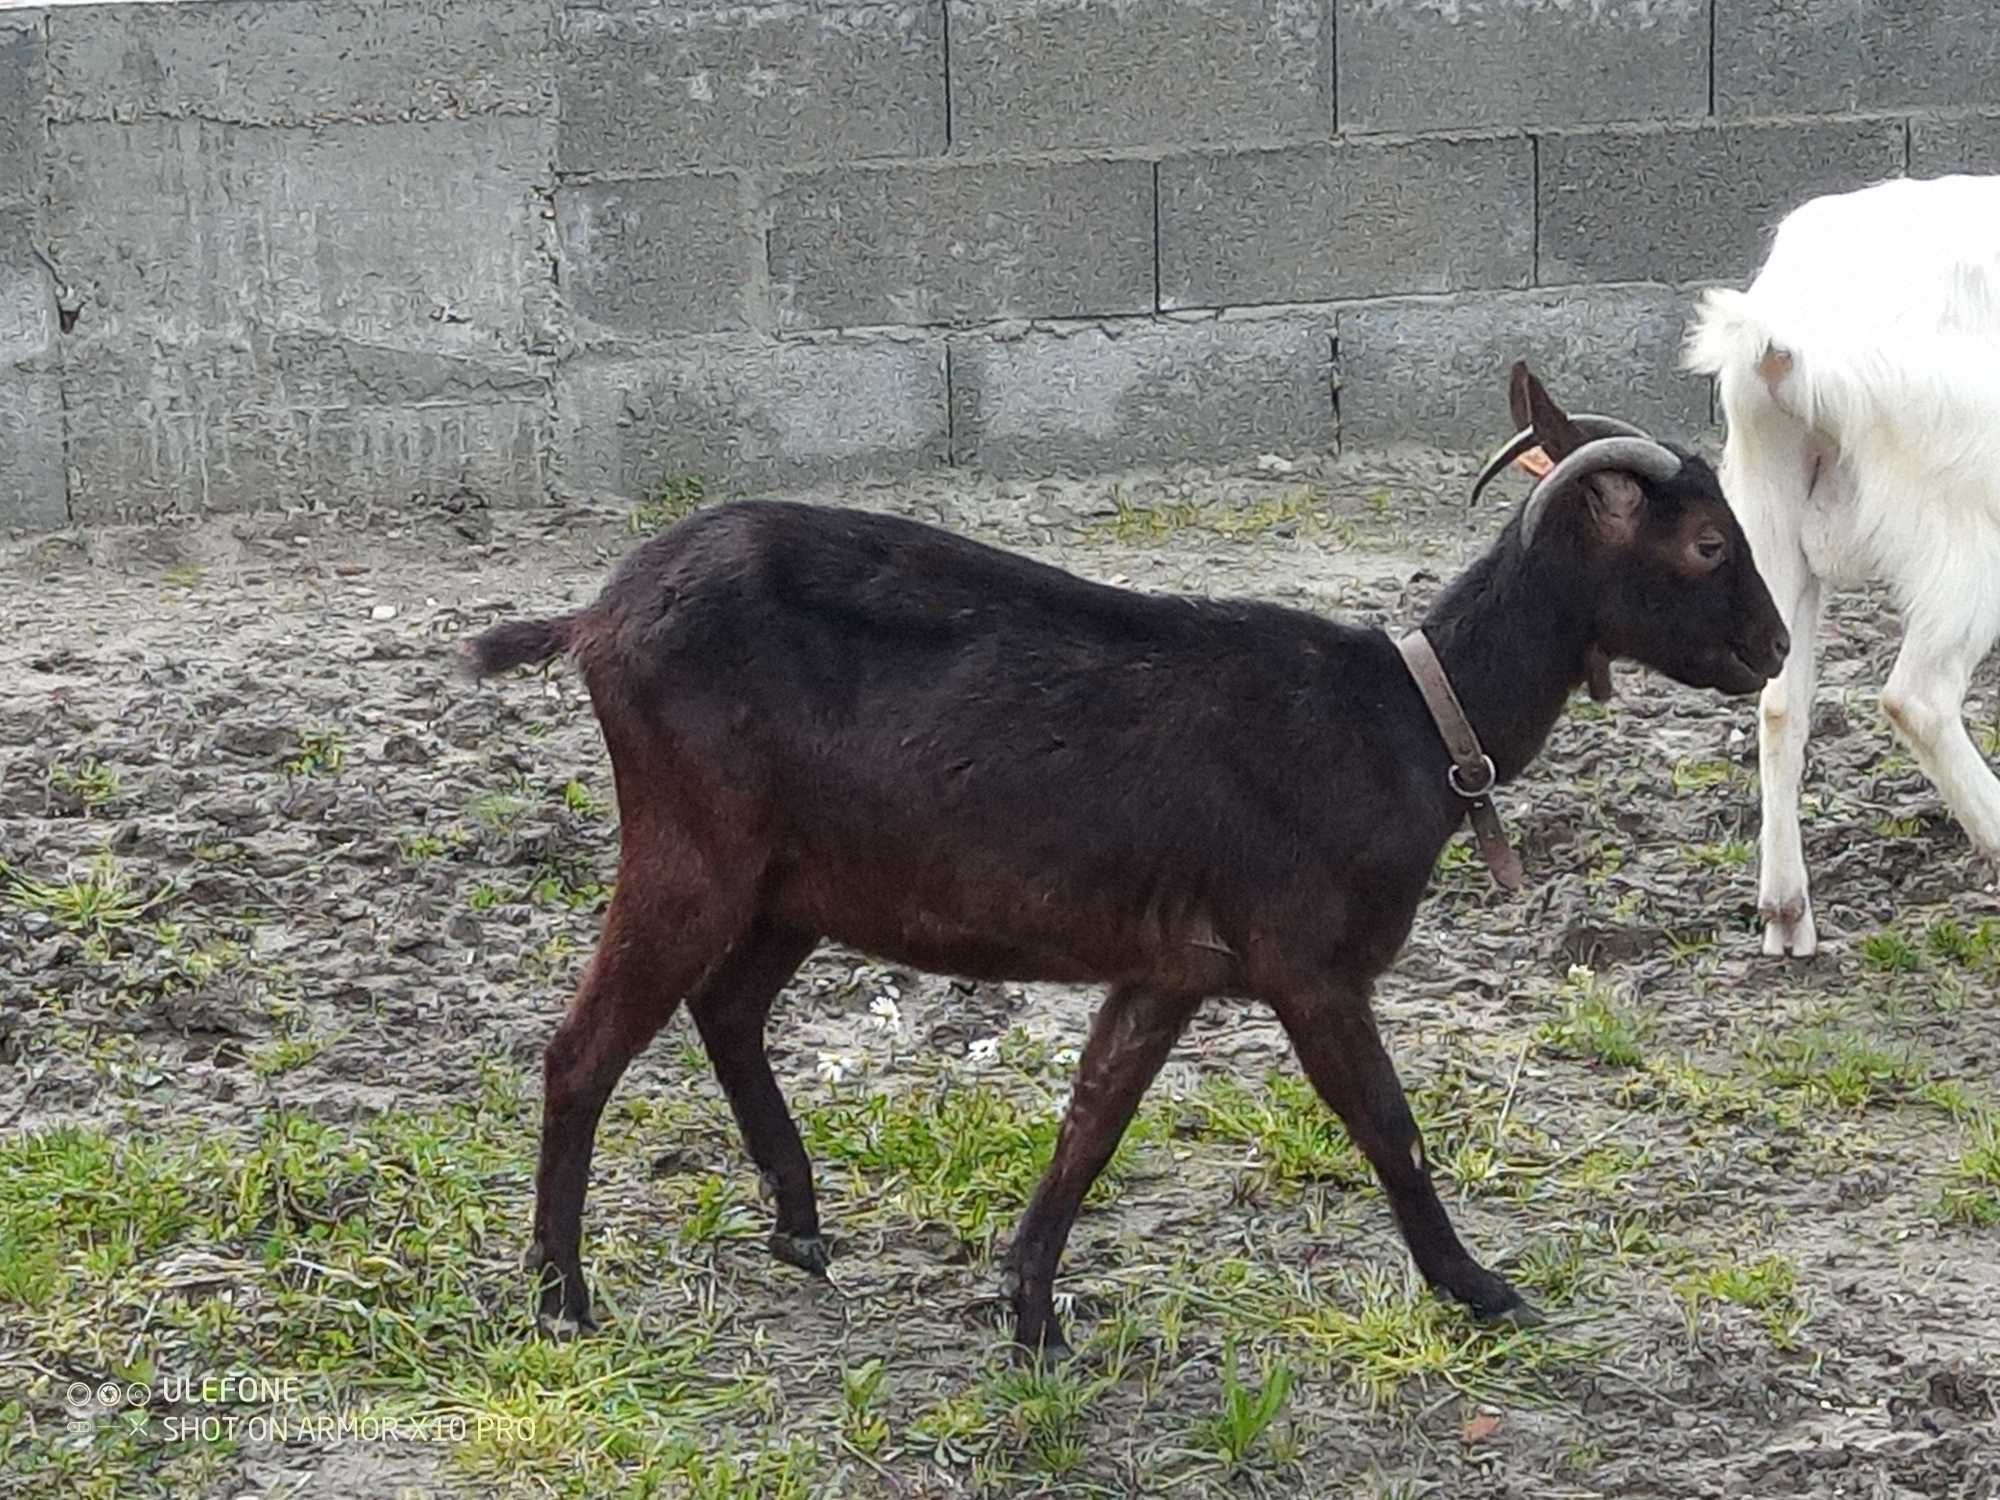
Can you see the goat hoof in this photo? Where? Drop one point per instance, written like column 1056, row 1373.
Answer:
column 1788, row 925
column 563, row 1325
column 809, row 1252
column 1523, row 1314
column 1052, row 1350
column 1790, row 929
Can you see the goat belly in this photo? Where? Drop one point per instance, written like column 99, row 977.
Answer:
column 955, row 922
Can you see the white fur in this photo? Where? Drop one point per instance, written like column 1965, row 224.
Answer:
column 1874, row 455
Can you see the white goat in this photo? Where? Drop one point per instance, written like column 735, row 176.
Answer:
column 1860, row 378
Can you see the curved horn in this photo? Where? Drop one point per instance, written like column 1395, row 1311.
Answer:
column 1590, row 424
column 1639, row 455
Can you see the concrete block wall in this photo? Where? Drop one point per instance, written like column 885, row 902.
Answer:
column 267, row 252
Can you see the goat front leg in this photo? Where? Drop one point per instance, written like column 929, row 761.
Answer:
column 1784, row 719
column 1130, row 1038
column 1925, row 700
column 1333, row 1031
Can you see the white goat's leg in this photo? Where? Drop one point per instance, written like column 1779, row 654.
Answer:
column 1784, row 718
column 1925, row 700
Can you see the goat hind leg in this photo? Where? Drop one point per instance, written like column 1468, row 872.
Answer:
column 1925, row 700
column 633, row 983
column 731, row 1010
column 1130, row 1038
column 1334, row 1033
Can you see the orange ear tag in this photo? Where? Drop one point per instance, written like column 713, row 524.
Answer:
column 1535, row 462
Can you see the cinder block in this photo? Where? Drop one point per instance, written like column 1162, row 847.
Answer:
column 1967, row 143
column 796, row 412
column 1316, row 223
column 673, row 255
column 1098, row 396
column 942, row 244
column 33, row 487
column 273, row 62
column 424, row 236
column 660, row 87
column 1426, row 65
column 1434, row 374
column 1037, row 74
column 226, row 425
column 1781, row 56
column 27, row 304
column 1682, row 205
column 22, row 102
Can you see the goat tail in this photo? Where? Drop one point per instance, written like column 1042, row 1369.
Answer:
column 516, row 643
column 1727, row 335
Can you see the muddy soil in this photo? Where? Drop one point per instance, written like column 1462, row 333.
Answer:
column 283, row 756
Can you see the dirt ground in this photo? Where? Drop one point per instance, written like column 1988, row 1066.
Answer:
column 287, row 912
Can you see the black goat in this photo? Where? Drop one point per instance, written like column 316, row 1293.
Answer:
column 830, row 724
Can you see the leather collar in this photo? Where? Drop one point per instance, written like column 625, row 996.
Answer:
column 1471, row 773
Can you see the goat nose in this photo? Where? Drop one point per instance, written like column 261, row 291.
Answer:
column 1781, row 643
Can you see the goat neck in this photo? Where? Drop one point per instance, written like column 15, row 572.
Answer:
column 1512, row 632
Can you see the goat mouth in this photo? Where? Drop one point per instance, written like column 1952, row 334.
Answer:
column 1742, row 670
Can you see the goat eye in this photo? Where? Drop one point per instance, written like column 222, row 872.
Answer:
column 1710, row 546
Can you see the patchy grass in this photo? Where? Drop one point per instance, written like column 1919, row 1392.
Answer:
column 1841, row 1069
column 565, row 889
column 90, row 784
column 676, row 497
column 1682, row 1085
column 377, row 1265
column 95, row 903
column 1302, row 514
column 1705, row 774
column 965, row 1156
column 579, row 799
column 1293, row 1138
column 1377, row 1334
column 1767, row 1286
column 1042, row 1414
column 500, row 812
column 1890, row 952
column 322, row 752
column 1723, row 854
column 1975, row 948
column 1247, row 1412
column 1972, row 1183
column 285, row 1055
column 1594, row 1024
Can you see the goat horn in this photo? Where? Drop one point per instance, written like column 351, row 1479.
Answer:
column 1590, row 424
column 1639, row 455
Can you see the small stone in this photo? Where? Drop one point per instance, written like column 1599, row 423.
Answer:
column 382, row 612
column 1271, row 463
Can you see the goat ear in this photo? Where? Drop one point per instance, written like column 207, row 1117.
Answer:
column 1534, row 407
column 1518, row 381
column 1616, row 503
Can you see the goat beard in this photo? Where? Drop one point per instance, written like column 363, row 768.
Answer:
column 1597, row 673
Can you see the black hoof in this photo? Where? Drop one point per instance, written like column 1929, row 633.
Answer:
column 809, row 1252
column 1523, row 1314
column 564, row 1312
column 562, row 1325
column 1051, row 1351
column 1510, row 1311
